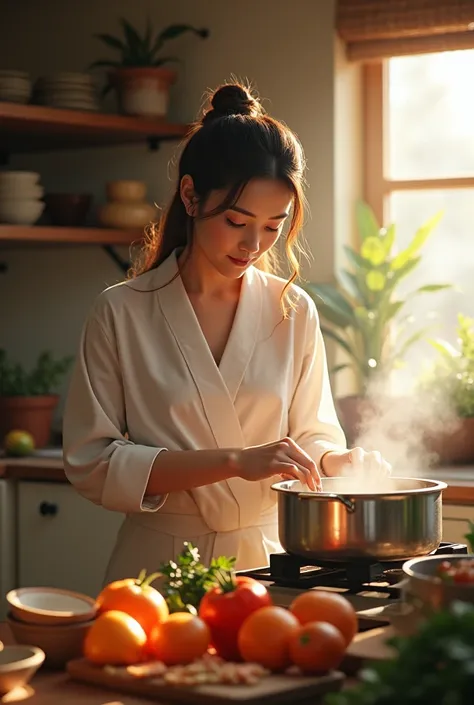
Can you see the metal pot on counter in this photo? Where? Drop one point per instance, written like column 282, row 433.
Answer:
column 402, row 519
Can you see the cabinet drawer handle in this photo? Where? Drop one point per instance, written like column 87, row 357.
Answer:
column 48, row 509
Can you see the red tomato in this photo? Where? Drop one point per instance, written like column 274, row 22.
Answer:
column 225, row 608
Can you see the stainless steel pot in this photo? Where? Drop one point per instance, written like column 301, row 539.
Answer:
column 342, row 522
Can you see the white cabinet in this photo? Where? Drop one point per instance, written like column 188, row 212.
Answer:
column 63, row 539
column 7, row 542
column 456, row 520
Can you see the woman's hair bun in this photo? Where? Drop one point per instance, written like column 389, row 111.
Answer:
column 232, row 99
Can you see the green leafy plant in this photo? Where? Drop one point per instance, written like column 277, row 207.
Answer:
column 452, row 373
column 142, row 50
column 435, row 665
column 187, row 580
column 42, row 379
column 363, row 311
column 470, row 537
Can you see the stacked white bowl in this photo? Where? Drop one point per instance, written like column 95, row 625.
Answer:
column 70, row 91
column 20, row 197
column 15, row 86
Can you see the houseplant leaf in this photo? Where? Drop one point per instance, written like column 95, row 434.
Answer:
column 174, row 31
column 366, row 221
column 136, row 46
column 111, row 41
column 355, row 258
column 330, row 333
column 330, row 299
column 166, row 60
column 419, row 239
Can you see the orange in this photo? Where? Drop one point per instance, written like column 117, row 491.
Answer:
column 115, row 638
column 317, row 647
column 322, row 606
column 180, row 639
column 137, row 598
column 265, row 635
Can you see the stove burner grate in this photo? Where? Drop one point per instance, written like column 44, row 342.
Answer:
column 355, row 576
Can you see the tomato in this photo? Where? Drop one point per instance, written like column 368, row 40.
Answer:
column 225, row 608
column 136, row 597
column 463, row 575
column 180, row 639
column 322, row 606
column 317, row 647
column 115, row 639
column 265, row 635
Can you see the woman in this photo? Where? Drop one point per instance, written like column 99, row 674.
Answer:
column 202, row 379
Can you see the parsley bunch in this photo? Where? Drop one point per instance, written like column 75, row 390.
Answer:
column 187, row 580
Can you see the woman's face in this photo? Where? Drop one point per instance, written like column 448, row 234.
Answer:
column 234, row 240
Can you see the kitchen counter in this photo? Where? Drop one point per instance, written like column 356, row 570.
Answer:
column 460, row 479
column 56, row 688
column 33, row 468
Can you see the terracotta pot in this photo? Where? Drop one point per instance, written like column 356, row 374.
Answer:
column 32, row 414
column 456, row 446
column 143, row 91
column 358, row 414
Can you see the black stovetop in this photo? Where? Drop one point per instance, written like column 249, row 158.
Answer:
column 355, row 576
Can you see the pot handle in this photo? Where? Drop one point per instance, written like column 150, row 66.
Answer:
column 349, row 505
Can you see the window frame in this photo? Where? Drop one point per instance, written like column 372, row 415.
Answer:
column 377, row 186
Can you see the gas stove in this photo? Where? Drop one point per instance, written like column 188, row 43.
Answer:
column 368, row 585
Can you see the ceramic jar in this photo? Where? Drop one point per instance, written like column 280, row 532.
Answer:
column 126, row 206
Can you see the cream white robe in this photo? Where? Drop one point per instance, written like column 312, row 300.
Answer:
column 144, row 369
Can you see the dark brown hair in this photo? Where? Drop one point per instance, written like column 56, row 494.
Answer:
column 233, row 142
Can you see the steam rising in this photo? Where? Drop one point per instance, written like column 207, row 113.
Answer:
column 400, row 428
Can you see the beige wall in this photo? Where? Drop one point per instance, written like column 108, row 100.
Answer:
column 285, row 49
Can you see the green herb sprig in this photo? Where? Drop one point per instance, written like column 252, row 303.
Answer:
column 187, row 579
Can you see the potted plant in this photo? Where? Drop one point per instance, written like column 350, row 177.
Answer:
column 28, row 398
column 450, row 380
column 139, row 75
column 364, row 313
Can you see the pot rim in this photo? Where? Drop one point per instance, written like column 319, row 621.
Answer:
column 432, row 486
column 408, row 569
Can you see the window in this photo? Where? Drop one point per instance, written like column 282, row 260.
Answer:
column 419, row 160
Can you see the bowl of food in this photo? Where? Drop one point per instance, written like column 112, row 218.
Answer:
column 50, row 606
column 435, row 582
column 18, row 664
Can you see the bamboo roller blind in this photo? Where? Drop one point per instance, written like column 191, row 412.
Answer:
column 376, row 29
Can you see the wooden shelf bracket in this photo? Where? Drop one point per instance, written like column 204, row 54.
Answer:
column 122, row 263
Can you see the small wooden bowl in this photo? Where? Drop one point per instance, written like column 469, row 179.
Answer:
column 59, row 642
column 18, row 664
column 43, row 605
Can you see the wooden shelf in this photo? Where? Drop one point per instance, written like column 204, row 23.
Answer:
column 35, row 128
column 75, row 236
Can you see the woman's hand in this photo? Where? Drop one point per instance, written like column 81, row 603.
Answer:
column 284, row 458
column 355, row 461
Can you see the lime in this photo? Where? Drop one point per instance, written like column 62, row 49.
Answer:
column 19, row 443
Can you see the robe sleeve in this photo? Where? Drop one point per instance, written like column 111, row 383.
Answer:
column 313, row 422
column 99, row 461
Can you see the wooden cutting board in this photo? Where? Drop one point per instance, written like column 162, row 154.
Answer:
column 269, row 691
column 366, row 647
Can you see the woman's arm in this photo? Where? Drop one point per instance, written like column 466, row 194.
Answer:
column 99, row 460
column 313, row 422
column 102, row 464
